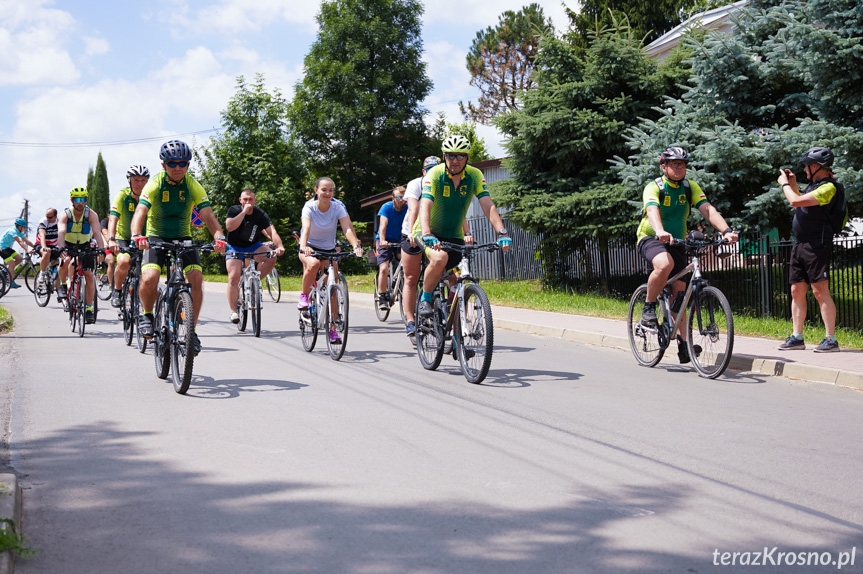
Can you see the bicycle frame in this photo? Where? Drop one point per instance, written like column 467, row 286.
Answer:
column 323, row 288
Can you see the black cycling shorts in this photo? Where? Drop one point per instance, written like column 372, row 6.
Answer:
column 410, row 249
column 156, row 257
column 810, row 263
column 650, row 247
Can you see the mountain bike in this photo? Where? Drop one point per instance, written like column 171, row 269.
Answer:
column 710, row 333
column 395, row 283
column 130, row 304
column 5, row 280
column 250, row 301
column 28, row 270
column 76, row 298
column 466, row 321
column 174, row 317
column 328, row 306
column 44, row 288
column 274, row 286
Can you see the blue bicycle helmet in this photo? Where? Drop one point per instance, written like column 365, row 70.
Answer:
column 20, row 222
column 175, row 150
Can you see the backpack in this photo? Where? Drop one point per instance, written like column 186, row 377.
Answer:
column 838, row 209
column 661, row 185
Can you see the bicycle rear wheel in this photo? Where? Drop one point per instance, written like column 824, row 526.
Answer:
column 398, row 293
column 4, row 279
column 242, row 306
column 711, row 329
column 274, row 286
column 309, row 323
column 29, row 277
column 475, row 338
column 182, row 354
column 161, row 336
column 255, row 300
column 126, row 313
column 643, row 339
column 82, row 306
column 381, row 314
column 430, row 334
column 339, row 322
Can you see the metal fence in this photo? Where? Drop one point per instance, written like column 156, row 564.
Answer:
column 754, row 277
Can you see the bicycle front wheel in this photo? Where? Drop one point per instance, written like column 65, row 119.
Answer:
column 103, row 284
column 338, row 321
column 274, row 287
column 711, row 332
column 255, row 300
column 309, row 323
column 161, row 336
column 382, row 314
column 126, row 313
column 475, row 336
column 242, row 306
column 398, row 293
column 182, row 353
column 81, row 311
column 430, row 334
column 42, row 290
column 643, row 339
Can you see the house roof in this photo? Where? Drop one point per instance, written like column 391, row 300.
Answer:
column 716, row 19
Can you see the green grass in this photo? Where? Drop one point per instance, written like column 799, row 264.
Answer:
column 5, row 320
column 531, row 295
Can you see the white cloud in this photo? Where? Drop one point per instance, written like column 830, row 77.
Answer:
column 31, row 40
column 484, row 13
column 237, row 16
column 96, row 46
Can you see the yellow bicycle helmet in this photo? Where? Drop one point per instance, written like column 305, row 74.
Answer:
column 78, row 192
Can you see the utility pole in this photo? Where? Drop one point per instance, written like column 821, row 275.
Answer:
column 25, row 213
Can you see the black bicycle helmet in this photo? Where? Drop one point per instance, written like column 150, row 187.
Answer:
column 175, row 150
column 821, row 155
column 673, row 153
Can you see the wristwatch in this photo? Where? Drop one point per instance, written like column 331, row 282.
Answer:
column 502, row 231
column 220, row 238
column 112, row 239
column 729, row 230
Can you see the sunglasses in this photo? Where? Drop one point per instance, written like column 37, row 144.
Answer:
column 79, row 200
column 398, row 198
column 176, row 163
column 455, row 156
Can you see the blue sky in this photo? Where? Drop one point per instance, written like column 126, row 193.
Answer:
column 93, row 71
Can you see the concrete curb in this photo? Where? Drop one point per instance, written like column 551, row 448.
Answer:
column 10, row 507
column 739, row 362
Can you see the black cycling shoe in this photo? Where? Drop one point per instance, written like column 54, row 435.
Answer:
column 648, row 313
column 145, row 325
column 196, row 343
column 89, row 317
column 62, row 291
column 115, row 299
column 683, row 352
column 426, row 309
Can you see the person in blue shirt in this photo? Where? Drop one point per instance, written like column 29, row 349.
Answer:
column 391, row 215
column 11, row 257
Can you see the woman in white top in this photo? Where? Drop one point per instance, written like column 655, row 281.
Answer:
column 321, row 217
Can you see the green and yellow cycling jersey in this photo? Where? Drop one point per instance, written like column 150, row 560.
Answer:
column 123, row 207
column 171, row 205
column 673, row 208
column 450, row 203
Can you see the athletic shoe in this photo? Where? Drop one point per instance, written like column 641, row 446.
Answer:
column 411, row 329
column 115, row 299
column 683, row 352
column 196, row 343
column 145, row 326
column 792, row 344
column 648, row 313
column 334, row 337
column 383, row 302
column 63, row 291
column 14, row 285
column 303, row 303
column 426, row 309
column 827, row 346
column 235, row 317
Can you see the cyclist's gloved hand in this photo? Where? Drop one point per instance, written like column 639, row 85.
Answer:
column 430, row 240
column 140, row 241
column 219, row 243
column 504, row 241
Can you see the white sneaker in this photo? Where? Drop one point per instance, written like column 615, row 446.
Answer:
column 235, row 317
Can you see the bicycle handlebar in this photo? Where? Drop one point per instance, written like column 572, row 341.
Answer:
column 464, row 249
column 180, row 247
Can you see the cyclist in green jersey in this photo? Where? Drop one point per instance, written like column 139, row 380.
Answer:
column 166, row 207
column 120, row 224
column 666, row 212
column 447, row 192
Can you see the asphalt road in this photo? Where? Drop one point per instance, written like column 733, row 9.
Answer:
column 569, row 458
